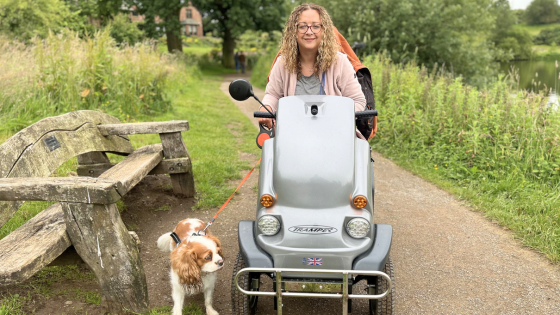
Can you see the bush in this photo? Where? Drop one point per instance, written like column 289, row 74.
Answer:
column 125, row 31
column 65, row 73
column 519, row 42
column 548, row 37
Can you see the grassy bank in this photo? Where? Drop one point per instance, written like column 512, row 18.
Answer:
column 496, row 148
column 218, row 131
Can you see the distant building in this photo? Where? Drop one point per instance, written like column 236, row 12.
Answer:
column 191, row 20
column 190, row 17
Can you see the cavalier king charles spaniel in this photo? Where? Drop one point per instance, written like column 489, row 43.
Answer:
column 194, row 262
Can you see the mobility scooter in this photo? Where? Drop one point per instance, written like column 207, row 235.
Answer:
column 314, row 218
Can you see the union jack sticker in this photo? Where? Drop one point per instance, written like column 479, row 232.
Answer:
column 312, row 261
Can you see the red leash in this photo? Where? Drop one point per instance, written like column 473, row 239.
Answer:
column 227, row 201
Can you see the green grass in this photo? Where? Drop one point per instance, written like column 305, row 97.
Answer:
column 496, row 147
column 261, row 70
column 162, row 208
column 534, row 30
column 190, row 309
column 12, row 304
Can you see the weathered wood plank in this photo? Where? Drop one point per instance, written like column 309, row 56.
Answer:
column 12, row 149
column 33, row 245
column 135, row 167
column 93, row 170
column 174, row 147
column 102, row 240
column 144, row 127
column 171, row 166
column 71, row 189
column 40, row 155
column 92, row 158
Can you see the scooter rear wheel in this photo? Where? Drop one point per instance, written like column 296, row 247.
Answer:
column 243, row 304
column 384, row 306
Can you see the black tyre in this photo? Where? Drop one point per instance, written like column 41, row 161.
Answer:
column 243, row 304
column 384, row 306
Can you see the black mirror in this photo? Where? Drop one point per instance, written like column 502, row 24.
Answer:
column 240, row 89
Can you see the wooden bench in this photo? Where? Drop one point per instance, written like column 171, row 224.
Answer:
column 86, row 217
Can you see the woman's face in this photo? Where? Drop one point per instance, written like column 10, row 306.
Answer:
column 312, row 37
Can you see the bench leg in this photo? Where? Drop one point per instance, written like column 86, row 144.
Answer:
column 93, row 164
column 174, row 147
column 103, row 242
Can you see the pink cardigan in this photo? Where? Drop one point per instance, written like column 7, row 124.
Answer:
column 340, row 80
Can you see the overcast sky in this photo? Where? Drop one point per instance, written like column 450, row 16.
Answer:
column 519, row 4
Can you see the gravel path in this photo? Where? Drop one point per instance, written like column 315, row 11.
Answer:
column 448, row 259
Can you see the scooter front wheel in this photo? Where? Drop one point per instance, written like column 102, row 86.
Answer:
column 244, row 304
column 384, row 306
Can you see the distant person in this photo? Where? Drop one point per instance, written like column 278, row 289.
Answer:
column 242, row 62
column 236, row 58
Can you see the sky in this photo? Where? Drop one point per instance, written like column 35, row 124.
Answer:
column 519, row 4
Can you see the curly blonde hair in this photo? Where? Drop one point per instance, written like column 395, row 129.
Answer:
column 328, row 47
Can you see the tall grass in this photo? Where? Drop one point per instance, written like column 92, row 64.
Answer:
column 496, row 147
column 261, row 69
column 64, row 73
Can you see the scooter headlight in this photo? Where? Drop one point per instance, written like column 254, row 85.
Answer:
column 358, row 228
column 268, row 225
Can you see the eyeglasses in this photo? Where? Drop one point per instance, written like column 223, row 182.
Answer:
column 303, row 27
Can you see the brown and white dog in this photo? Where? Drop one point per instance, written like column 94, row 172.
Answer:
column 194, row 262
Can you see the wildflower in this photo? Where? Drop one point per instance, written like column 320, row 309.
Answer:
column 435, row 165
column 445, row 164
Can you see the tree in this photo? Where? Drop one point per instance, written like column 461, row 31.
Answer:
column 230, row 18
column 454, row 33
column 162, row 16
column 25, row 19
column 125, row 31
column 542, row 12
column 505, row 37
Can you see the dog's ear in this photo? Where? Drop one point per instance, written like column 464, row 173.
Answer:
column 218, row 245
column 183, row 260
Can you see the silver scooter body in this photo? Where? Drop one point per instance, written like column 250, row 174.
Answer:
column 314, row 167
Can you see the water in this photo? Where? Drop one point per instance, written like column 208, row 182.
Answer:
column 535, row 75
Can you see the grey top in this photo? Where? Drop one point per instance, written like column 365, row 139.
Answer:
column 310, row 85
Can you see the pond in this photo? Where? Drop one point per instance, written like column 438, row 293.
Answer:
column 534, row 75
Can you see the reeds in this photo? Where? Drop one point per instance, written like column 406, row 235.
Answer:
column 477, row 134
column 64, row 73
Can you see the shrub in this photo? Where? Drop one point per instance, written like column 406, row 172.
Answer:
column 125, row 31
column 548, row 37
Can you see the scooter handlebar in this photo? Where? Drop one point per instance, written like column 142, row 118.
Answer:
column 259, row 114
column 366, row 113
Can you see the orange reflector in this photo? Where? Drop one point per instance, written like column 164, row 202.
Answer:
column 360, row 202
column 267, row 201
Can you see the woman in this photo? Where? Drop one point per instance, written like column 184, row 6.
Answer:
column 309, row 61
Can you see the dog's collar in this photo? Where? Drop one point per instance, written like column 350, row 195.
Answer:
column 175, row 237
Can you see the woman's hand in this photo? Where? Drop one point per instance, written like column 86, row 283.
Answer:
column 267, row 122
